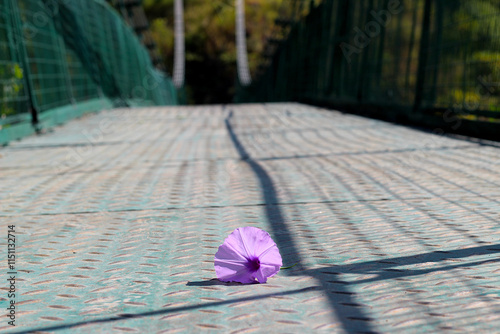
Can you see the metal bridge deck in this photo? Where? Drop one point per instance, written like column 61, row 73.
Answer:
column 118, row 216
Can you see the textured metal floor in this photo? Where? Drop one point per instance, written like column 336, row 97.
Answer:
column 118, row 216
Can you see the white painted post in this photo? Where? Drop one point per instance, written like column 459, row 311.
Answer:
column 241, row 45
column 179, row 52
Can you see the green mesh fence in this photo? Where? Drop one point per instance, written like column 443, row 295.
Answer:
column 431, row 62
column 61, row 58
column 14, row 98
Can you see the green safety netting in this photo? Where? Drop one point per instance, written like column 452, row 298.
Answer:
column 61, row 58
column 14, row 99
column 431, row 62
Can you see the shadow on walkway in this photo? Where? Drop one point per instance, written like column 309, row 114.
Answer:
column 352, row 316
column 353, row 319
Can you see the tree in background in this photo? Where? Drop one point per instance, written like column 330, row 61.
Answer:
column 210, row 42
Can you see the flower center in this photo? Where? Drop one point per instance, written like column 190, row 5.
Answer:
column 253, row 264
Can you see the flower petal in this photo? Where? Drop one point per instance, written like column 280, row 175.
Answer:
column 271, row 257
column 231, row 272
column 234, row 241
column 266, row 271
column 230, row 265
column 230, row 251
column 255, row 240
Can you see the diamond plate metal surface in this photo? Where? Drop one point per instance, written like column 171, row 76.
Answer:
column 119, row 214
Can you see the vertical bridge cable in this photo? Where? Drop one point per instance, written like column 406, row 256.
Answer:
column 241, row 44
column 179, row 60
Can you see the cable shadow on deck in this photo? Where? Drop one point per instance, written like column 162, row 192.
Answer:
column 343, row 303
column 123, row 317
column 342, row 300
column 353, row 320
column 341, row 297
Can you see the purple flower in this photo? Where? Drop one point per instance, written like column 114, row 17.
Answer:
column 248, row 253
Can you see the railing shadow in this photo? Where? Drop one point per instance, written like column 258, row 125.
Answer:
column 353, row 319
column 122, row 317
column 386, row 268
column 342, row 299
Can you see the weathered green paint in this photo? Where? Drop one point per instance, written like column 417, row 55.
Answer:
column 58, row 116
column 10, row 131
column 58, row 57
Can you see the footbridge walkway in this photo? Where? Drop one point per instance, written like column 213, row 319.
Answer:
column 118, row 215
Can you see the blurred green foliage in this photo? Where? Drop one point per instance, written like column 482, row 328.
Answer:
column 470, row 67
column 11, row 88
column 210, row 42
column 427, row 56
